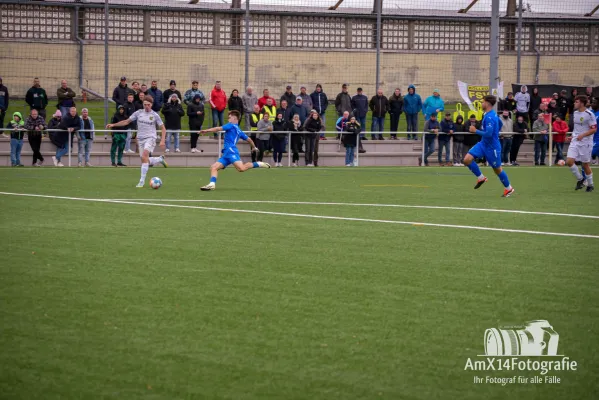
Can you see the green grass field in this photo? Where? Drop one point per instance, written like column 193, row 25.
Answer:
column 155, row 299
column 96, row 111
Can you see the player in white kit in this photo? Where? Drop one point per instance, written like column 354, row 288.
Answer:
column 581, row 146
column 147, row 121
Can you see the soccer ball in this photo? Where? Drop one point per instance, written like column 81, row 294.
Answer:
column 155, row 183
column 561, row 163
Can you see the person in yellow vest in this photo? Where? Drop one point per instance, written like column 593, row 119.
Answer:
column 269, row 109
column 255, row 117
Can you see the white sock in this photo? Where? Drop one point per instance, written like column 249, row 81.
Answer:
column 144, row 171
column 481, row 177
column 576, row 172
column 590, row 180
column 154, row 160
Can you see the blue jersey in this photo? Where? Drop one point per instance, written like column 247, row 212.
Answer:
column 596, row 135
column 491, row 126
column 232, row 136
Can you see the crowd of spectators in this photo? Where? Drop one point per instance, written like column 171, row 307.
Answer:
column 522, row 114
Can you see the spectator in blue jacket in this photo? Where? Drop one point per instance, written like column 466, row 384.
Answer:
column 447, row 129
column 359, row 105
column 299, row 109
column 157, row 96
column 320, row 102
column 433, row 105
column 341, row 121
column 412, row 105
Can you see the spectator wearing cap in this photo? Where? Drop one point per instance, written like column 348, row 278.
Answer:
column 343, row 101
column 86, row 138
column 195, row 112
column 562, row 104
column 265, row 96
column 359, row 104
column 157, row 96
column 249, row 100
column 510, row 103
column 218, row 103
column 379, row 105
column 119, row 137
column 306, row 99
column 299, row 109
column 320, row 102
column 191, row 93
column 412, row 105
column 3, row 102
column 36, row 98
column 433, row 104
column 120, row 93
column 447, row 128
column 560, row 129
column 66, row 97
column 166, row 95
column 288, row 95
column 173, row 112
column 522, row 102
column 395, row 110
column 506, row 136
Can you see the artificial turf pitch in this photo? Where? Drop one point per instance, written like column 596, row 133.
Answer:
column 136, row 301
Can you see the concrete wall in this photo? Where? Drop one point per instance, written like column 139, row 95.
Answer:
column 274, row 68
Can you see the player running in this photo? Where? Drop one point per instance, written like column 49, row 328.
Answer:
column 595, row 153
column 230, row 153
column 147, row 120
column 581, row 146
column 489, row 147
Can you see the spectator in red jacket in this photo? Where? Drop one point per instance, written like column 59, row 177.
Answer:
column 560, row 127
column 265, row 96
column 218, row 103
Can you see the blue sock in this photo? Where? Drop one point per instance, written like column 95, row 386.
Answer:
column 255, row 164
column 504, row 179
column 213, row 179
column 474, row 168
column 584, row 176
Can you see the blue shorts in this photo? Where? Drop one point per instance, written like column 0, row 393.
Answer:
column 493, row 156
column 229, row 158
column 595, row 152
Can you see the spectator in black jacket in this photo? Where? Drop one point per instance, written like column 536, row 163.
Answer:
column 471, row 139
column 299, row 109
column 359, row 105
column 320, row 102
column 509, row 103
column 535, row 103
column 35, row 125
column 195, row 112
column 313, row 124
column 279, row 127
column 285, row 110
column 36, row 98
column 350, row 139
column 521, row 128
column 395, row 110
column 343, row 101
column 60, row 139
column 166, row 95
column 119, row 136
column 294, row 126
column 72, row 124
column 288, row 95
column 120, row 93
column 130, row 108
column 235, row 102
column 458, row 142
column 563, row 103
column 173, row 112
column 3, row 102
column 379, row 105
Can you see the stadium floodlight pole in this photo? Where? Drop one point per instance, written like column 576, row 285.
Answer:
column 379, row 6
column 519, row 59
column 247, row 43
column 494, row 47
column 106, row 17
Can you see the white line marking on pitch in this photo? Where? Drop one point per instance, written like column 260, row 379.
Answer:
column 382, row 221
column 316, row 203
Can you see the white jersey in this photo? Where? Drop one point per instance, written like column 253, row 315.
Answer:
column 583, row 122
column 146, row 123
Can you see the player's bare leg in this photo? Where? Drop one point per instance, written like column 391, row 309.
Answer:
column 241, row 167
column 214, row 168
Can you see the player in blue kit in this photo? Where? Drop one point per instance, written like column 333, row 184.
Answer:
column 489, row 147
column 230, row 153
column 595, row 153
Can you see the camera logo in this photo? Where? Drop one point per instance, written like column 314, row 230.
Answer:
column 534, row 338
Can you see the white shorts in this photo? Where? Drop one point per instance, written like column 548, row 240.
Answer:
column 146, row 144
column 580, row 151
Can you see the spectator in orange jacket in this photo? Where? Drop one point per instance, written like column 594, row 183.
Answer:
column 560, row 127
column 218, row 103
column 265, row 96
